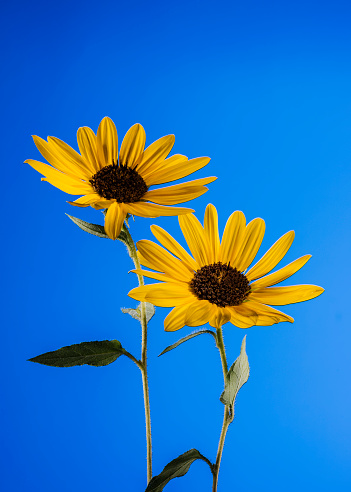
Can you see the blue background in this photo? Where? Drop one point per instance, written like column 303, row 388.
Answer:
column 264, row 89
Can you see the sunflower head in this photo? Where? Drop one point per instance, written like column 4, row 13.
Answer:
column 213, row 284
column 120, row 182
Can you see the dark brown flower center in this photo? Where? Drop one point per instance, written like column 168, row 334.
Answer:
column 220, row 284
column 120, row 183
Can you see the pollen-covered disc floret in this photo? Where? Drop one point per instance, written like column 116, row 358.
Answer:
column 120, row 183
column 220, row 284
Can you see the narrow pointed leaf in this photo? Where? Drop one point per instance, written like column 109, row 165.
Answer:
column 95, row 229
column 176, row 468
column 136, row 313
column 237, row 376
column 99, row 353
column 188, row 337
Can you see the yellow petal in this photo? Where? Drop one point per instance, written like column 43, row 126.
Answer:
column 59, row 161
column 232, row 236
column 264, row 315
column 114, row 220
column 162, row 198
column 71, row 190
column 279, row 296
column 163, row 295
column 282, row 274
column 273, row 256
column 174, row 247
column 153, row 156
column 132, row 146
column 107, row 142
column 219, row 316
column 244, row 310
column 87, row 144
column 64, row 151
column 162, row 261
column 157, row 276
column 198, row 313
column 176, row 318
column 189, row 184
column 240, row 320
column 251, row 243
column 176, row 167
column 144, row 209
column 211, row 232
column 195, row 238
column 172, row 195
column 52, row 173
column 85, row 201
column 62, row 181
column 143, row 261
column 102, row 203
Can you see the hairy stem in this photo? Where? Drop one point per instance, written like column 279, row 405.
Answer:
column 143, row 362
column 228, row 417
column 221, row 348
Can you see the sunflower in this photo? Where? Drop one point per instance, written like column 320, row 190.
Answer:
column 121, row 183
column 213, row 285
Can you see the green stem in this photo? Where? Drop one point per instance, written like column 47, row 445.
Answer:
column 143, row 362
column 221, row 348
column 228, row 416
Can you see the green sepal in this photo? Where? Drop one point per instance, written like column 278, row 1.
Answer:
column 95, row 229
column 98, row 353
column 176, row 468
column 236, row 377
column 188, row 337
column 136, row 313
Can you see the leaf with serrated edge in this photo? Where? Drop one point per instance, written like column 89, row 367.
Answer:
column 135, row 313
column 98, row 353
column 176, row 468
column 94, row 229
column 237, row 376
column 188, row 337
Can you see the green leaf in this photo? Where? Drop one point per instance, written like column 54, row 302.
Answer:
column 237, row 376
column 99, row 353
column 188, row 337
column 95, row 229
column 176, row 468
column 136, row 313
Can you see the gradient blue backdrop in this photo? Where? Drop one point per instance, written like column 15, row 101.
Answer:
column 264, row 89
